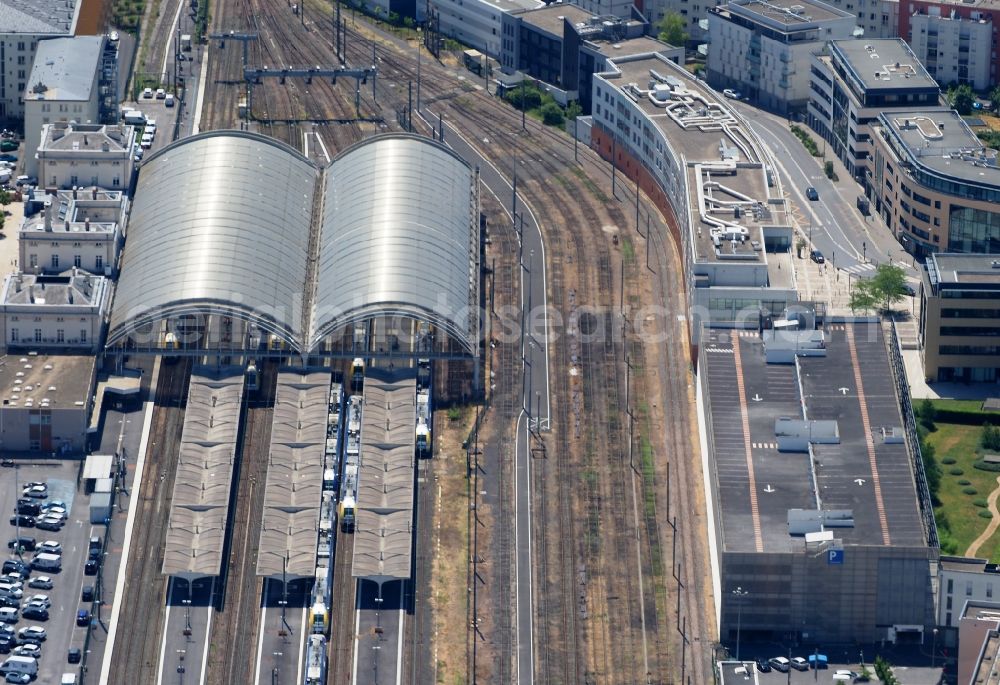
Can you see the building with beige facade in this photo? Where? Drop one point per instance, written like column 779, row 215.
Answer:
column 960, row 318
column 934, row 183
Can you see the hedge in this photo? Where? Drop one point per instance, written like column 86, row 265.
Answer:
column 980, row 502
column 949, row 460
column 970, row 491
column 964, row 481
column 986, row 465
column 966, row 418
column 955, row 471
column 985, row 514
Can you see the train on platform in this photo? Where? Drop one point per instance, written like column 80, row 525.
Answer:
column 316, row 661
column 352, row 463
column 425, row 411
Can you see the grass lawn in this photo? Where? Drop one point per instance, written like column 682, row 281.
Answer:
column 956, row 512
column 964, row 405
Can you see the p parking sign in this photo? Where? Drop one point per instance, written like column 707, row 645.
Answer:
column 835, row 556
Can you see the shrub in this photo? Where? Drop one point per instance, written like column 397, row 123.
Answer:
column 970, row 491
column 980, row 502
column 990, row 438
column 948, row 460
column 454, row 414
column 552, row 114
column 964, row 481
column 955, row 471
column 986, row 465
column 985, row 514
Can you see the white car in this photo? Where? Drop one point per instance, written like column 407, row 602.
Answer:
column 147, row 93
column 160, row 93
column 41, row 600
column 55, row 511
column 37, row 491
column 50, row 547
column 732, row 94
column 40, row 583
column 33, row 632
column 34, row 651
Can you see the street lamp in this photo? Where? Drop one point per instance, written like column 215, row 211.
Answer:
column 739, row 593
column 934, row 647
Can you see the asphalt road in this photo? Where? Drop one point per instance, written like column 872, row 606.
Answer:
column 838, row 229
column 535, row 414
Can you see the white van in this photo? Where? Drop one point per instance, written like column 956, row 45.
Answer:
column 134, row 117
column 20, row 664
column 68, row 679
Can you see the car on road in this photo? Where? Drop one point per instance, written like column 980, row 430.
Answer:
column 83, row 617
column 34, row 651
column 7, row 157
column 160, row 93
column 90, row 568
column 732, row 94
column 147, row 93
column 50, row 547
column 74, row 655
column 817, row 256
column 799, row 664
column 779, row 663
column 40, row 583
column 35, row 613
column 22, row 521
column 762, row 665
column 812, row 194
column 87, row 594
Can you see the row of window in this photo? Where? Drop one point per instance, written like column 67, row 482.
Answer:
column 977, row 350
column 966, row 313
column 990, row 331
column 77, row 261
column 15, row 336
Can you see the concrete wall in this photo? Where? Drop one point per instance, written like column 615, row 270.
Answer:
column 65, row 170
column 476, row 23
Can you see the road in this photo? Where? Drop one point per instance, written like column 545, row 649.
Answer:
column 838, row 229
column 535, row 412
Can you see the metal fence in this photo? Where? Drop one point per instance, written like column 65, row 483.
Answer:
column 912, row 438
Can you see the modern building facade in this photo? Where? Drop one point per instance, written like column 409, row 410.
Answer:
column 478, row 23
column 934, row 182
column 960, row 318
column 72, row 228
column 76, row 155
column 978, row 642
column 63, row 86
column 956, row 41
column 23, row 24
column 852, row 82
column 962, row 580
column 563, row 46
column 763, row 48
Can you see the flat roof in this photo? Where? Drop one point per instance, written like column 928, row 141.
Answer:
column 38, row 16
column 960, row 269
column 385, row 477
column 550, row 18
column 980, row 609
column 293, row 490
column 630, row 46
column 514, row 5
column 63, row 380
column 791, row 14
column 98, row 466
column 891, row 58
column 65, row 69
column 725, row 166
column 940, row 140
column 199, row 507
column 757, row 485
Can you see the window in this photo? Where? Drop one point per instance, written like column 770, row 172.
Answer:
column 77, row 261
column 83, row 335
column 55, row 261
column 968, row 588
column 13, row 335
column 33, row 260
column 38, row 335
column 99, row 263
column 20, row 60
column 60, row 336
column 989, row 590
column 948, row 604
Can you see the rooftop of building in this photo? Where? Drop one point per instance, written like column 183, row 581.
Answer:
column 93, row 211
column 629, row 46
column 55, row 381
column 38, row 17
column 988, row 4
column 987, row 670
column 65, row 69
column 789, row 14
column 967, row 565
column 514, row 5
column 73, row 287
column 977, row 609
column 728, row 191
column 70, row 136
column 758, row 487
column 941, row 141
column 551, row 18
column 946, row 270
column 883, row 64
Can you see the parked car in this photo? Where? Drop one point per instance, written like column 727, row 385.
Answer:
column 50, row 547
column 55, row 503
column 7, row 157
column 83, row 618
column 18, row 567
column 160, row 93
column 7, row 643
column 50, row 523
column 779, row 663
column 22, row 521
column 9, row 601
column 763, row 666
column 812, row 194
column 37, row 492
column 41, row 600
column 9, row 615
column 28, row 506
column 17, row 677
column 34, row 632
column 90, row 568
column 26, row 181
column 31, row 650
column 74, row 655
column 87, row 594
column 40, row 583
column 35, row 613
column 732, row 94
column 908, row 290
column 24, row 542
column 817, row 256
column 799, row 664
column 8, row 146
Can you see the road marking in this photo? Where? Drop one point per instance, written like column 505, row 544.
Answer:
column 208, row 632
column 260, row 635
column 869, row 442
column 163, row 640
column 302, row 644
column 745, row 420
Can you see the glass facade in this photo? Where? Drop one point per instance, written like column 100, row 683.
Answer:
column 973, row 230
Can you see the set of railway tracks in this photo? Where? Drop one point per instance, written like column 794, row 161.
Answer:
column 341, row 645
column 137, row 646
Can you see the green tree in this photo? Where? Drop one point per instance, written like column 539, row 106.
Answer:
column 995, row 99
column 863, row 296
column 672, row 29
column 552, row 114
column 961, row 98
column 573, row 109
column 927, row 414
column 532, row 97
column 889, row 284
column 990, row 438
column 932, row 471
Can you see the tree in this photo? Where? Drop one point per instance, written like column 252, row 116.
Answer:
column 990, row 438
column 995, row 99
column 962, row 98
column 889, row 284
column 927, row 414
column 552, row 114
column 863, row 296
column 672, row 29
column 532, row 97
column 573, row 109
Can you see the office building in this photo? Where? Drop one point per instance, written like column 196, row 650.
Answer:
column 478, row 23
column 934, row 182
column 763, row 48
column 960, row 318
column 74, row 154
column 852, row 82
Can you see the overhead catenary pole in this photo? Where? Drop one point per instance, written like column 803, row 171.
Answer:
column 524, row 107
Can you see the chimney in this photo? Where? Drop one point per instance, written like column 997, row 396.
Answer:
column 86, row 224
column 74, row 192
column 93, row 193
column 66, row 225
column 87, row 142
column 48, row 215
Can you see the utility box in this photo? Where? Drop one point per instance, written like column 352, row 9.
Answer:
column 186, row 42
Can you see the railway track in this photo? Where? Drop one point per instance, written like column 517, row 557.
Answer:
column 137, row 647
column 341, row 645
column 237, row 602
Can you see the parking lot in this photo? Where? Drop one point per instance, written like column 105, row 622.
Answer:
column 67, row 582
column 732, row 673
column 164, row 116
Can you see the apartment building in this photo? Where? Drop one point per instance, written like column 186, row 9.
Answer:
column 478, row 23
column 956, row 41
column 960, row 319
column 763, row 48
column 852, row 82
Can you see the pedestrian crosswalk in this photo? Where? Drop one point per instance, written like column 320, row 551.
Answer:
column 859, row 269
column 765, row 445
